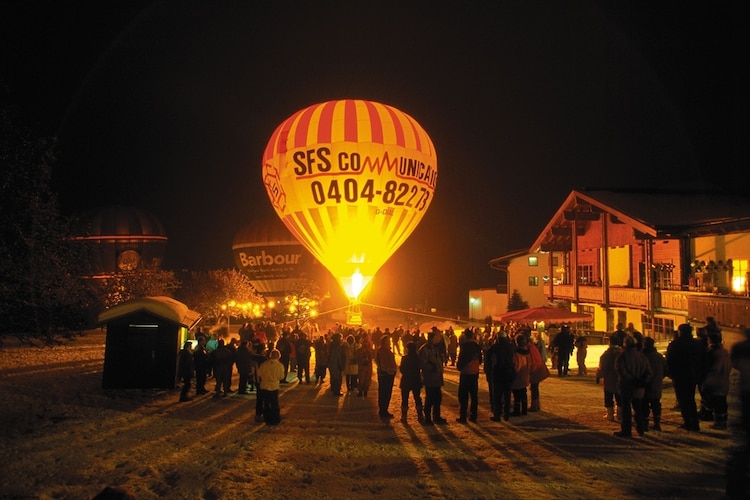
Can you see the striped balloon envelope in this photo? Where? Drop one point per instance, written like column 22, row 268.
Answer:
column 351, row 179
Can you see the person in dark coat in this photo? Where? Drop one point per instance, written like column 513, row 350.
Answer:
column 715, row 386
column 684, row 367
column 652, row 398
column 563, row 343
column 186, row 369
column 633, row 374
column 385, row 361
column 222, row 361
column 284, row 346
column 411, row 382
column 242, row 360
column 303, row 346
column 321, row 360
column 608, row 375
column 202, row 365
column 431, row 359
column 500, row 357
column 469, row 359
column 336, row 363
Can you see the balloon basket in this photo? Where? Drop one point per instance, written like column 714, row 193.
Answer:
column 354, row 313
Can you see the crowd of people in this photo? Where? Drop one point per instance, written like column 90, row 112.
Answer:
column 632, row 372
column 513, row 358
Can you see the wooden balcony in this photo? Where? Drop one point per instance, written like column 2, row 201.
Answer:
column 728, row 310
column 621, row 296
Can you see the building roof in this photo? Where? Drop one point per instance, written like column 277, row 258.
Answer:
column 652, row 213
column 163, row 307
column 502, row 263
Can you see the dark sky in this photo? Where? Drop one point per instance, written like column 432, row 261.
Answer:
column 167, row 106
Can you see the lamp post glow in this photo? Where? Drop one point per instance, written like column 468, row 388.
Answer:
column 350, row 179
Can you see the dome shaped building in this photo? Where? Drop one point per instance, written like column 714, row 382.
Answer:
column 121, row 239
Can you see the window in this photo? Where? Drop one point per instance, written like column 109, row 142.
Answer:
column 533, row 280
column 661, row 327
column 588, row 325
column 586, row 275
column 739, row 277
column 533, row 261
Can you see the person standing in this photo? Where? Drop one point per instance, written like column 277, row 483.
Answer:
column 452, row 346
column 431, row 360
column 303, row 347
column 221, row 361
column 364, row 357
column 740, row 357
column 538, row 372
column 608, row 375
column 652, row 398
column 684, row 367
column 200, row 359
column 633, row 374
column 522, row 378
column 186, row 369
column 411, row 382
column 500, row 357
column 336, row 363
column 385, row 360
column 582, row 349
column 321, row 360
column 563, row 344
column 242, row 360
column 469, row 359
column 270, row 374
column 285, row 349
column 351, row 367
column 715, row 386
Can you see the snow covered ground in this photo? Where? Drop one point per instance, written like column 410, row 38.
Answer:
column 64, row 437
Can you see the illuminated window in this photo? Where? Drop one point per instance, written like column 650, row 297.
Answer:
column 739, row 276
column 533, row 261
column 533, row 280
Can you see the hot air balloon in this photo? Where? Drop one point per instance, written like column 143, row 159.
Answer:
column 351, row 179
column 272, row 258
column 121, row 239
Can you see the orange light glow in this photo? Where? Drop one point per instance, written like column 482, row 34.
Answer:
column 351, row 179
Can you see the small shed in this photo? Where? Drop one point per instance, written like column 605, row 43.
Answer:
column 144, row 337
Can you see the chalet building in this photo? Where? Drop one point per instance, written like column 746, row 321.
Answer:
column 654, row 259
column 525, row 272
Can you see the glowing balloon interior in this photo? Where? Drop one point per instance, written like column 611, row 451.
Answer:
column 351, row 179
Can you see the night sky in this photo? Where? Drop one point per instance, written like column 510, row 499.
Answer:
column 167, row 106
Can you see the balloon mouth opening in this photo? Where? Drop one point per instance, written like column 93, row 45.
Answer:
column 354, row 284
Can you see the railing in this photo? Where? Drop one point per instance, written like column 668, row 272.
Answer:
column 560, row 291
column 635, row 297
column 729, row 311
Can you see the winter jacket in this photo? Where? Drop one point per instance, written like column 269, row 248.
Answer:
column 385, row 360
column 658, row 371
column 718, row 368
column 633, row 373
column 270, row 373
column 499, row 361
column 607, row 371
column 741, row 361
column 538, row 371
column 352, row 367
column 685, row 359
column 469, row 358
column 411, row 373
column 522, row 367
column 431, row 359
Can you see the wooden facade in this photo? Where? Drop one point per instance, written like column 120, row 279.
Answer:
column 654, row 259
